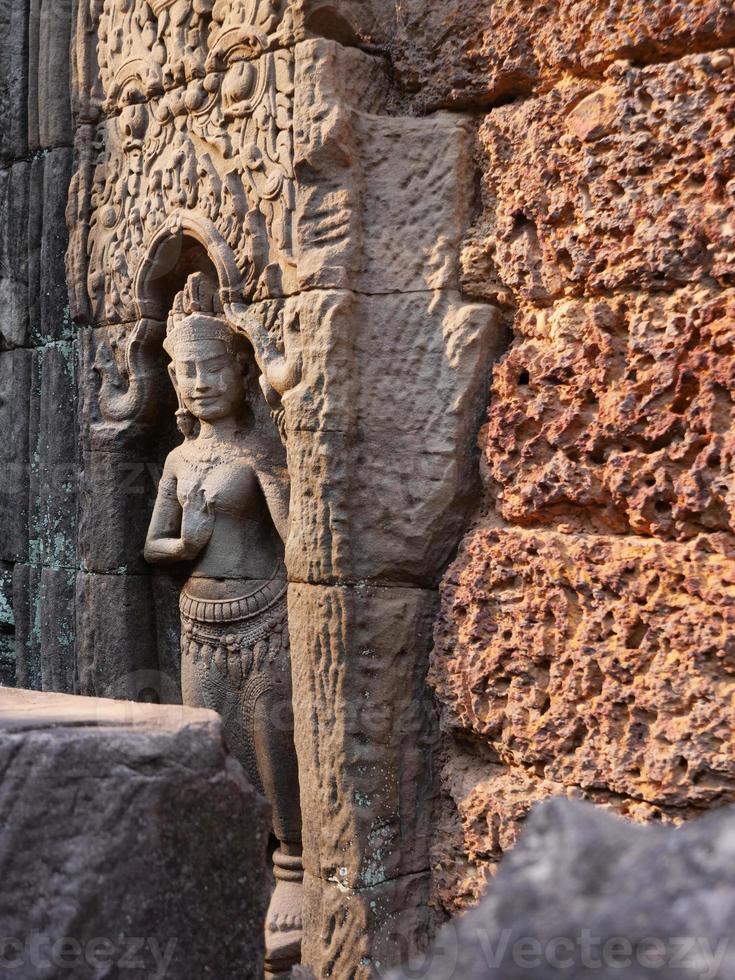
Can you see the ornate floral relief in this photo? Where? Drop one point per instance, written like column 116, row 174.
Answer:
column 194, row 122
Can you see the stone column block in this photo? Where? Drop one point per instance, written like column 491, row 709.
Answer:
column 117, row 495
column 27, row 626
column 15, row 398
column 396, row 470
column 14, row 80
column 49, row 97
column 364, row 729
column 15, row 209
column 33, row 240
column 360, row 934
column 58, row 629
column 116, row 645
column 48, row 288
column 53, row 456
column 370, row 215
column 7, row 626
column 45, row 625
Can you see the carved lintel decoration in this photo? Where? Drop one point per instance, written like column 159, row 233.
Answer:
column 197, row 117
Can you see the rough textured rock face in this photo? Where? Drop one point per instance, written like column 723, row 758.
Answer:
column 583, row 644
column 131, row 840
column 585, row 894
column 587, row 666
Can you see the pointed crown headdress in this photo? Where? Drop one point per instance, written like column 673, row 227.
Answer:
column 197, row 315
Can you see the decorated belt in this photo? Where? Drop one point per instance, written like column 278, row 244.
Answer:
column 236, row 609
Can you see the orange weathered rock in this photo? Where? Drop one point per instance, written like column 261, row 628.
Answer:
column 584, row 665
column 615, row 414
column 583, row 644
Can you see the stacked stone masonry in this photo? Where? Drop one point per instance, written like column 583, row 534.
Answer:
column 583, row 647
column 38, row 350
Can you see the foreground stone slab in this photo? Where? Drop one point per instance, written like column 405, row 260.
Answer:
column 131, row 842
column 587, row 894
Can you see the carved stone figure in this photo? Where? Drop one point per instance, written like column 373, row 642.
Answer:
column 221, row 506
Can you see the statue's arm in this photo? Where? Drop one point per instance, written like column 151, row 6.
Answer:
column 173, row 535
column 163, row 541
column 282, row 371
column 275, row 489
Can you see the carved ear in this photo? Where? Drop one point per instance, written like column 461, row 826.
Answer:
column 172, row 374
column 185, row 421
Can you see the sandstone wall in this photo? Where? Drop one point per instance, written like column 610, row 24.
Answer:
column 38, row 350
column 584, row 644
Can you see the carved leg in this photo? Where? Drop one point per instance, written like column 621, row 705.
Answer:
column 258, row 723
column 272, row 727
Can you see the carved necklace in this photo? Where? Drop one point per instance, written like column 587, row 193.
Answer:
column 204, row 457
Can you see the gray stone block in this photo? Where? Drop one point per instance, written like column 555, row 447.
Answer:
column 117, row 497
column 49, row 96
column 58, row 627
column 27, row 615
column 54, row 467
column 585, row 894
column 44, row 628
column 13, row 79
column 127, row 831
column 15, row 211
column 7, row 626
column 48, row 293
column 116, row 639
column 33, row 240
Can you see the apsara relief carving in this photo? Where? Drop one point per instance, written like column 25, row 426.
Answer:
column 222, row 505
column 245, row 195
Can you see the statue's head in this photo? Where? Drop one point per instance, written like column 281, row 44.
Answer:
column 208, row 360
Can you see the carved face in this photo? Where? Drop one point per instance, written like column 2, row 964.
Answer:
column 210, row 379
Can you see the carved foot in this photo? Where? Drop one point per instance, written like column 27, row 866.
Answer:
column 283, row 924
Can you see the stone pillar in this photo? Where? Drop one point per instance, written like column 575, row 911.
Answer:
column 380, row 439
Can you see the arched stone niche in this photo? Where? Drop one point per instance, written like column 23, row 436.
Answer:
column 165, row 255
column 129, row 429
column 344, row 218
